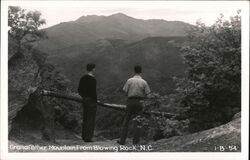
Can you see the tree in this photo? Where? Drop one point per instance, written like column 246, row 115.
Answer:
column 212, row 86
column 21, row 23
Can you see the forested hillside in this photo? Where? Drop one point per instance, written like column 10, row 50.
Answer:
column 159, row 57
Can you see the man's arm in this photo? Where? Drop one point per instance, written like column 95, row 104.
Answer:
column 125, row 87
column 94, row 89
column 80, row 87
column 147, row 89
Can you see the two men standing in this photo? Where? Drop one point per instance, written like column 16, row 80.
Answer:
column 135, row 88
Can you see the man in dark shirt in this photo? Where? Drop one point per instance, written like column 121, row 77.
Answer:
column 87, row 90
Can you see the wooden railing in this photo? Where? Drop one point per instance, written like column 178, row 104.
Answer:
column 118, row 107
column 48, row 132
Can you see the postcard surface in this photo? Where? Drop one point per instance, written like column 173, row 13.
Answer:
column 124, row 79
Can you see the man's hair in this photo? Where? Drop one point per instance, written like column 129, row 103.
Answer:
column 137, row 69
column 90, row 66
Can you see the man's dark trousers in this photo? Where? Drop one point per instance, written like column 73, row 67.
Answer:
column 89, row 114
column 134, row 108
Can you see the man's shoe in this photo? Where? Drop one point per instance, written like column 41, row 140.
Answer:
column 120, row 142
column 88, row 141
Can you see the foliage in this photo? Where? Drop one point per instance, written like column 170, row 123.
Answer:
column 159, row 126
column 212, row 86
column 67, row 113
column 21, row 23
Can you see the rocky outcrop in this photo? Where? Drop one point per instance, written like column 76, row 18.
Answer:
column 226, row 137
column 29, row 72
column 237, row 115
column 23, row 76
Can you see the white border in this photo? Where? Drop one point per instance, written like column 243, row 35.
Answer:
column 145, row 156
column 245, row 82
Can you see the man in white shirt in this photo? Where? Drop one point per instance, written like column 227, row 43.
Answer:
column 136, row 89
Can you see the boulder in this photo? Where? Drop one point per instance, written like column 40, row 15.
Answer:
column 237, row 115
column 26, row 76
column 226, row 137
column 23, row 79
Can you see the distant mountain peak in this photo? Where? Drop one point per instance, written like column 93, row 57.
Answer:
column 93, row 18
column 90, row 18
column 121, row 16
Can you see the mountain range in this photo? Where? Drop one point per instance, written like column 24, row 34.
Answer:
column 90, row 28
column 115, row 44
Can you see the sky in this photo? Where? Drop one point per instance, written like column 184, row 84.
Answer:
column 190, row 12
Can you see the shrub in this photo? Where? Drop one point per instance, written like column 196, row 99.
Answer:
column 212, row 86
column 158, row 126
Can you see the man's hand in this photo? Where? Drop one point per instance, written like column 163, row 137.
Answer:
column 119, row 90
